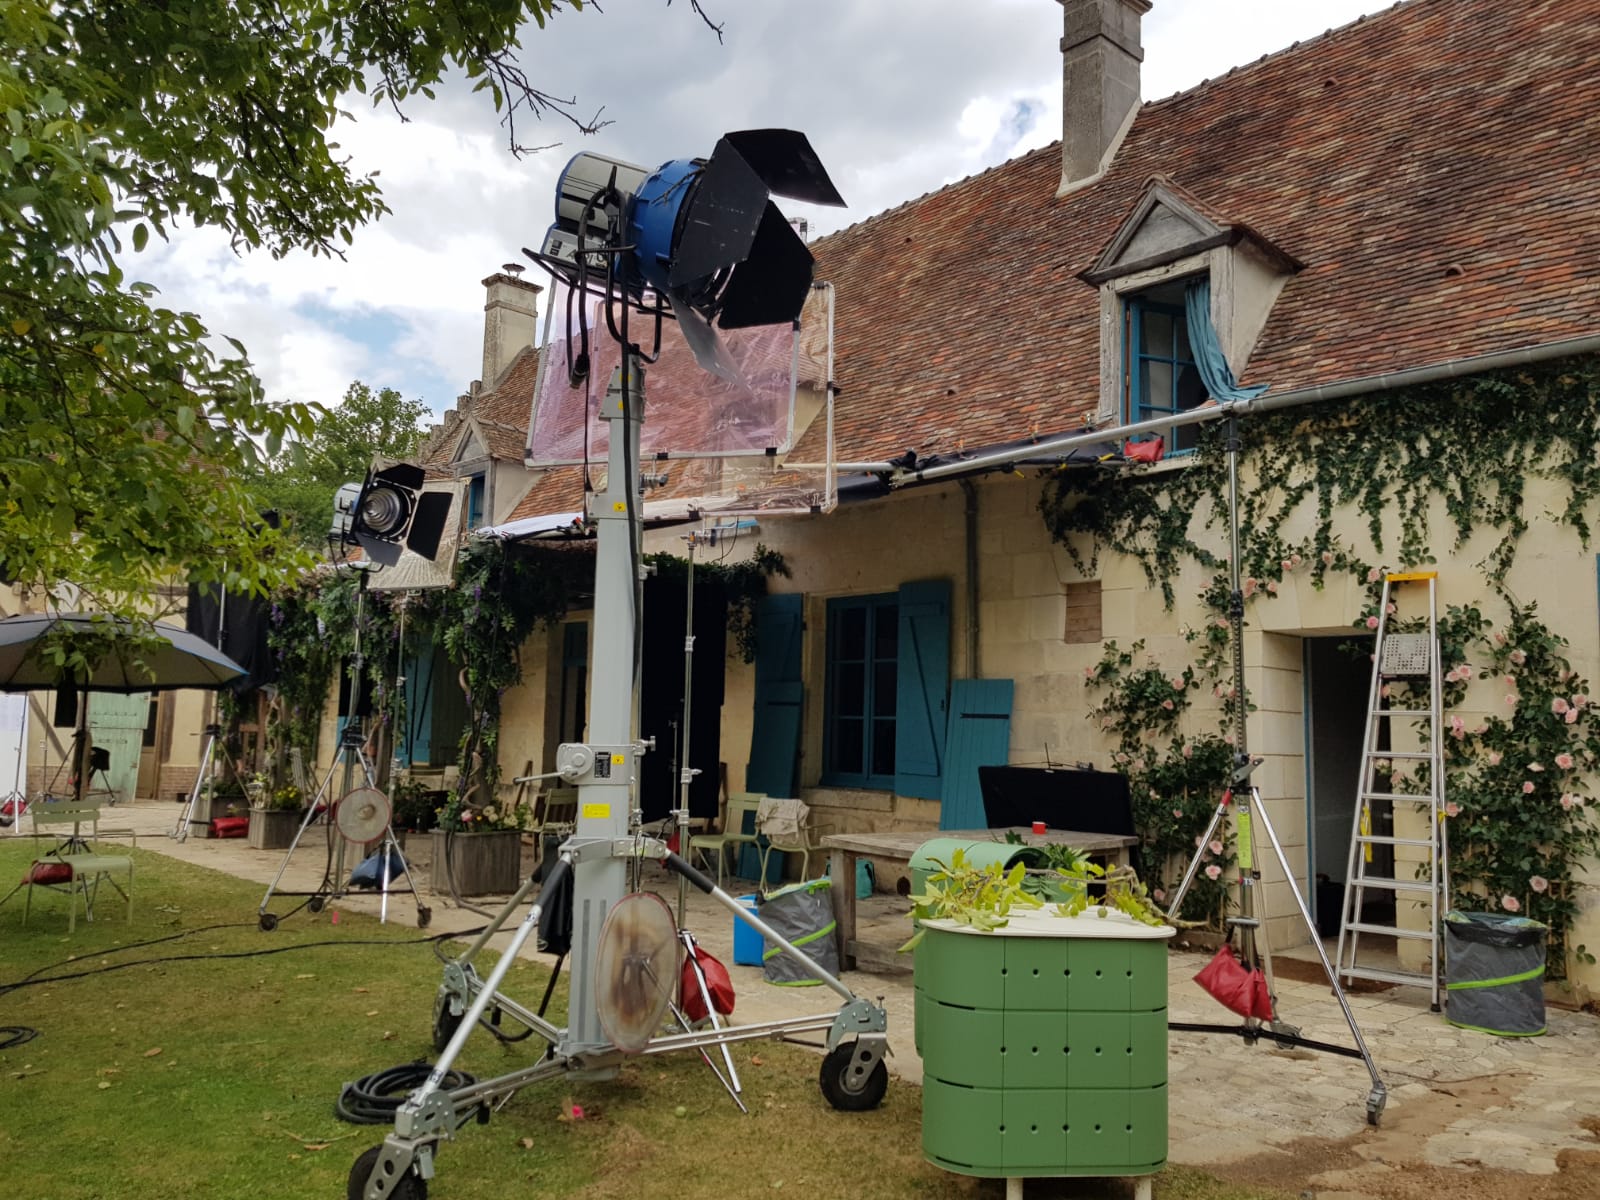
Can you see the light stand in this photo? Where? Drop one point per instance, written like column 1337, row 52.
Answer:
column 1244, row 798
column 352, row 753
column 202, row 779
column 597, row 857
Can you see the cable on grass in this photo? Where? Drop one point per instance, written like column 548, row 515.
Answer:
column 374, row 1099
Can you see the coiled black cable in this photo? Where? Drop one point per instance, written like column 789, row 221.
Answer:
column 374, row 1099
column 16, row 1035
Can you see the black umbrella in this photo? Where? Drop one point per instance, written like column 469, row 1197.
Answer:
column 138, row 658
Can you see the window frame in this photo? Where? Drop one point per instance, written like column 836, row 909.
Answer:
column 1137, row 406
column 875, row 606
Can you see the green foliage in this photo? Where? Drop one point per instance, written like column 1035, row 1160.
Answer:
column 1174, row 780
column 126, row 443
column 979, row 897
column 300, row 480
column 1473, row 443
column 1518, row 786
column 461, row 815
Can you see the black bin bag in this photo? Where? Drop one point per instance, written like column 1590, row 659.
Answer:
column 1494, row 980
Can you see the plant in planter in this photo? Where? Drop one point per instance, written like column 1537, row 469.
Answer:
column 477, row 848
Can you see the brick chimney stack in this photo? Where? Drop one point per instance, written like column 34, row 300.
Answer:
column 509, row 324
column 1101, row 53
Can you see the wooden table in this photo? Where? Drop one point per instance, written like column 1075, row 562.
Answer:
column 845, row 848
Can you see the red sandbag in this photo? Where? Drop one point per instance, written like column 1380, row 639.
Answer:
column 717, row 983
column 48, row 873
column 1245, row 992
column 230, row 827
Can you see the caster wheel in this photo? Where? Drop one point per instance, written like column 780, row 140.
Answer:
column 424, row 917
column 846, row 1086
column 316, row 904
column 445, row 1023
column 409, row 1186
column 268, row 922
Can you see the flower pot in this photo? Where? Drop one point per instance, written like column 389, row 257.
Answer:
column 1044, row 1046
column 488, row 863
column 273, row 828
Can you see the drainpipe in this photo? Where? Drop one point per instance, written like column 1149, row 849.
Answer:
column 1474, row 365
column 971, row 493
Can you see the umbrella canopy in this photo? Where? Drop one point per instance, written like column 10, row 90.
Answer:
column 142, row 658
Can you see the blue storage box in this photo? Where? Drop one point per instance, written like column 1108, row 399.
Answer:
column 747, row 943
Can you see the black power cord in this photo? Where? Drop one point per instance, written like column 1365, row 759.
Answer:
column 16, row 1035
column 374, row 1099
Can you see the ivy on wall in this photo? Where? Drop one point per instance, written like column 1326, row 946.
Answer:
column 1517, row 783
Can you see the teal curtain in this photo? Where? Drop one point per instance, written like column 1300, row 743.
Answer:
column 1208, row 355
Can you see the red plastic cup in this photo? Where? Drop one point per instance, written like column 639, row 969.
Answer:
column 1038, row 826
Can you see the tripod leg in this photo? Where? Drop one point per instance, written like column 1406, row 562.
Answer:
column 311, row 813
column 734, row 1087
column 1379, row 1093
column 1175, row 905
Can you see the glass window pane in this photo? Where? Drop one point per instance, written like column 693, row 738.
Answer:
column 848, row 752
column 883, row 748
column 883, row 682
column 1184, row 352
column 1155, row 385
column 849, row 688
column 886, row 631
column 852, row 639
column 1155, row 331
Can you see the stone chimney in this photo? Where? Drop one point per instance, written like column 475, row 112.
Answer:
column 509, row 326
column 1100, row 53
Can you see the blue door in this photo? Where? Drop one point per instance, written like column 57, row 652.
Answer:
column 922, row 688
column 979, row 736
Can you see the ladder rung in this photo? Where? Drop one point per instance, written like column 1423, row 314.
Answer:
column 1419, row 935
column 1401, row 712
column 1384, row 839
column 1382, row 976
column 1393, row 885
column 1400, row 754
column 1402, row 797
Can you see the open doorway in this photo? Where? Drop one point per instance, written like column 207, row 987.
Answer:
column 1337, row 686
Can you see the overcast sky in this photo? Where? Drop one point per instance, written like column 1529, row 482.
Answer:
column 899, row 97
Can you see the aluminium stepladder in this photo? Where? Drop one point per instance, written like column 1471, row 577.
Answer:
column 1408, row 825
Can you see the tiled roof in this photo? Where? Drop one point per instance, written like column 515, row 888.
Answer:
column 1432, row 167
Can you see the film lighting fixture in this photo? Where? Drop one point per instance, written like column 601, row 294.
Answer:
column 392, row 512
column 702, row 233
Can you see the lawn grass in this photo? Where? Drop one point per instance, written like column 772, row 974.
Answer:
column 215, row 1077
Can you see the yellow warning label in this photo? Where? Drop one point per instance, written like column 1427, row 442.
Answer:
column 597, row 812
column 618, row 759
column 1411, row 576
column 620, row 506
column 1241, row 833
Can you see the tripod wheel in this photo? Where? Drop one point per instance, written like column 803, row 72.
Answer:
column 424, row 916
column 268, row 922
column 409, row 1186
column 315, row 904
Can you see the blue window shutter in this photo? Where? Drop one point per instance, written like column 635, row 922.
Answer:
column 921, row 688
column 980, row 736
column 775, row 726
column 417, row 737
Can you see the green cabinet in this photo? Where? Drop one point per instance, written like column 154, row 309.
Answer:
column 1044, row 1046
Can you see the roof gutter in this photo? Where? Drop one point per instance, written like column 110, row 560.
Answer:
column 1474, row 365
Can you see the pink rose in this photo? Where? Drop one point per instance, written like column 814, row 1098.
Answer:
column 1287, row 565
column 1159, row 896
column 1452, row 809
column 1384, row 691
column 1374, row 575
column 1579, row 700
column 1564, row 761
column 1572, row 716
column 1327, row 558
column 1466, row 670
column 1539, row 883
column 1177, row 684
column 1511, row 699
column 1216, row 845
column 1494, row 758
column 1188, row 751
column 1295, row 560
column 1213, row 871
column 1511, row 680
column 1558, row 706
column 1510, row 904
column 1499, row 638
column 1168, row 705
column 1372, row 622
column 1088, row 672
column 1250, row 586
column 1527, row 786
column 1518, row 657
column 1199, row 838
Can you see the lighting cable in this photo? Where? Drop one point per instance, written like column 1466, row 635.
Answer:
column 374, row 1099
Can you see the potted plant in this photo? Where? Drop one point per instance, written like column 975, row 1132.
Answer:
column 477, row 848
column 274, row 815
column 1042, row 1024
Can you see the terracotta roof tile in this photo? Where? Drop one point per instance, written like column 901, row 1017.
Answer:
column 1431, row 166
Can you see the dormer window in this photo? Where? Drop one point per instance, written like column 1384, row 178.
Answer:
column 476, row 490
column 1184, row 294
column 1161, row 377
